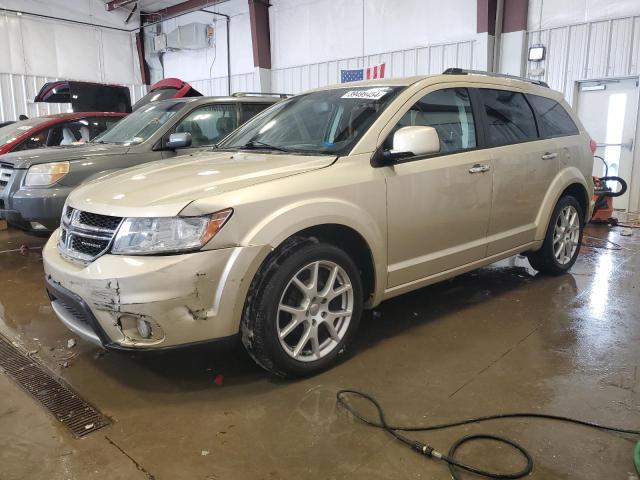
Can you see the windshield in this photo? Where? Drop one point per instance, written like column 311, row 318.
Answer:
column 325, row 122
column 141, row 124
column 9, row 133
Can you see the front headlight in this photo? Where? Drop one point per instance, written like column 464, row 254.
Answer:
column 148, row 236
column 46, row 174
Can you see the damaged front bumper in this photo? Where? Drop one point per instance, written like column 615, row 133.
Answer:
column 183, row 299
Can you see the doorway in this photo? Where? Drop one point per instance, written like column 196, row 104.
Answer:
column 609, row 110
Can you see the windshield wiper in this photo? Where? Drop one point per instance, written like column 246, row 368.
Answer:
column 258, row 145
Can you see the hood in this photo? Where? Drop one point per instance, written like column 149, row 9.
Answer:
column 165, row 187
column 26, row 158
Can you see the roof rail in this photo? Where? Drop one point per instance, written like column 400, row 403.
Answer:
column 462, row 71
column 261, row 94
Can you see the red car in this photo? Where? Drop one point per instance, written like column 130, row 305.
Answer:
column 165, row 89
column 55, row 130
column 113, row 101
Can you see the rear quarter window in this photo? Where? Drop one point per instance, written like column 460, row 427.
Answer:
column 554, row 120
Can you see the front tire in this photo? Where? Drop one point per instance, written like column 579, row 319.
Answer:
column 563, row 239
column 303, row 309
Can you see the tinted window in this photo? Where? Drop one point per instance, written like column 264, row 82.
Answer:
column 509, row 117
column 449, row 112
column 249, row 110
column 209, row 124
column 554, row 119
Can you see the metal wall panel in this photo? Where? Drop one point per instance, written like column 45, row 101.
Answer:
column 594, row 50
column 18, row 91
column 245, row 82
column 402, row 63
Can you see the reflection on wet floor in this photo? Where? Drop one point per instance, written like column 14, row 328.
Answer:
column 502, row 338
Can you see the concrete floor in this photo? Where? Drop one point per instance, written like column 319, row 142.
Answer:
column 496, row 340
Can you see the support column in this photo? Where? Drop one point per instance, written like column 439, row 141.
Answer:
column 486, row 28
column 261, row 41
column 513, row 51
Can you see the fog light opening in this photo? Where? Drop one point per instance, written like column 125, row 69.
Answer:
column 37, row 226
column 144, row 328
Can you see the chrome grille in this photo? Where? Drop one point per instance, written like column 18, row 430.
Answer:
column 84, row 235
column 6, row 171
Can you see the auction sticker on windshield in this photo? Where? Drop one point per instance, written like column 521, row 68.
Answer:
column 368, row 94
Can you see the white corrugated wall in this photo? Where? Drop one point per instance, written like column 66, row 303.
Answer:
column 404, row 63
column 244, row 82
column 588, row 51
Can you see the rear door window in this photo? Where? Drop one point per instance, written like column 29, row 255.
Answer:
column 554, row 119
column 509, row 117
column 250, row 110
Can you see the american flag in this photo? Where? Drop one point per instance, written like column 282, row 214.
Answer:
column 376, row 71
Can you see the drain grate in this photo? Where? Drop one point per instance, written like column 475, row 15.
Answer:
column 80, row 417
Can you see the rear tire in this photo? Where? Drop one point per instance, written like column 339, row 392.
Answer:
column 562, row 241
column 303, row 308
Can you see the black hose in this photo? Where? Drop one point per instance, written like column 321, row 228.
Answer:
column 623, row 186
column 606, row 166
column 450, row 459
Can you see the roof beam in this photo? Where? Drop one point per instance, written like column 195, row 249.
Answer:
column 186, row 7
column 260, row 34
column 115, row 4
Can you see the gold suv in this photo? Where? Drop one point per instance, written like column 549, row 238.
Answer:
column 323, row 205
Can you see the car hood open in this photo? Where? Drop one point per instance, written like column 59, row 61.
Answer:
column 165, row 187
column 26, row 158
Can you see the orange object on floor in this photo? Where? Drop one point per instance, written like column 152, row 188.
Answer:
column 603, row 204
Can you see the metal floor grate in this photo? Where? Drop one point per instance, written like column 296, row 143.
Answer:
column 80, row 417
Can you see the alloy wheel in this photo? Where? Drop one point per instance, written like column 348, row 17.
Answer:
column 566, row 235
column 315, row 310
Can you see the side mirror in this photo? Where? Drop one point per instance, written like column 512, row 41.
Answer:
column 178, row 140
column 416, row 140
column 408, row 142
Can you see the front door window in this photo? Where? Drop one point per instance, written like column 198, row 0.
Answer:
column 209, row 124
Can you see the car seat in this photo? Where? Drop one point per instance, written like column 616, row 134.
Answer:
column 192, row 127
column 68, row 138
column 224, row 125
column 85, row 136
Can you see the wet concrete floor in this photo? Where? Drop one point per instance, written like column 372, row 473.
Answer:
column 496, row 340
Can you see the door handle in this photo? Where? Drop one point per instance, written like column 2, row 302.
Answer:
column 477, row 168
column 549, row 156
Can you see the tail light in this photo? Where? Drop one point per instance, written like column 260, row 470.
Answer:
column 594, row 145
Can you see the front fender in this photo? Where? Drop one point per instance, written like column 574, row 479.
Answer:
column 282, row 223
column 98, row 175
column 566, row 177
